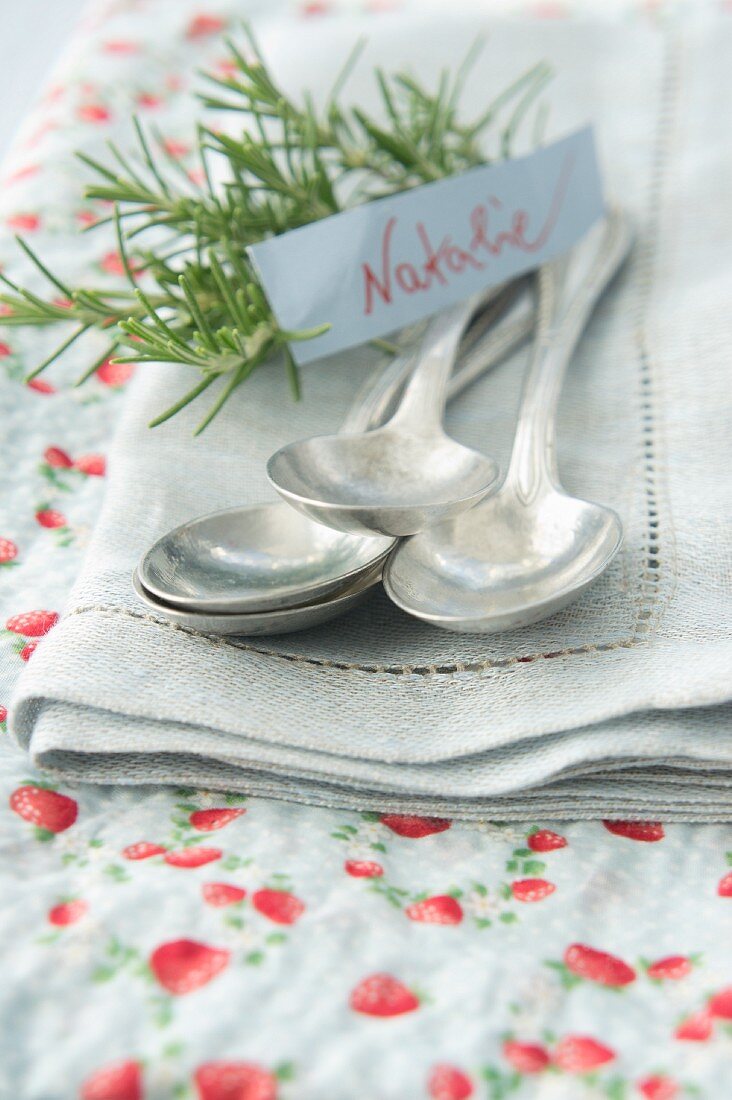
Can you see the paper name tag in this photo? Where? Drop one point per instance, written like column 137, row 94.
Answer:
column 389, row 263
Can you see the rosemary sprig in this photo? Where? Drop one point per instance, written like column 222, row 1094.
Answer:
column 292, row 163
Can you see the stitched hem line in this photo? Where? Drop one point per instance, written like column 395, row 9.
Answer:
column 344, row 666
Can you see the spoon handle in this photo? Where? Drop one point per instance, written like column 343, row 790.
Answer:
column 423, row 400
column 495, row 339
column 498, row 330
column 563, row 313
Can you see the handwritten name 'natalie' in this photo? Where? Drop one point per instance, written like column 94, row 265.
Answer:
column 440, row 264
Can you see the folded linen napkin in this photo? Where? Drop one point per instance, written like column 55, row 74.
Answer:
column 614, row 707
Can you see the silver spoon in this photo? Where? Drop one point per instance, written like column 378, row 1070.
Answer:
column 399, row 478
column 284, row 621
column 488, row 350
column 267, row 556
column 531, row 548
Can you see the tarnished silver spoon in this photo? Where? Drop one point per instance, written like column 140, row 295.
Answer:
column 530, row 549
column 399, row 478
column 264, row 557
column 285, row 620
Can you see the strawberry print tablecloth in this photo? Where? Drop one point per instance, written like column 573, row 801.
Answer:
column 185, row 944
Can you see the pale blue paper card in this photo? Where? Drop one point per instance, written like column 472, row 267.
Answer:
column 389, row 263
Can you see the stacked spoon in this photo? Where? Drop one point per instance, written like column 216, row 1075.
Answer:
column 393, row 493
column 270, row 569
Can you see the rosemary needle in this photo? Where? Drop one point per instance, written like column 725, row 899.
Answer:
column 291, row 164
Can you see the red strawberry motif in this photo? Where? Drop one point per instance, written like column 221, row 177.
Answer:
column 49, row 517
column 148, row 100
column 549, row 9
column 8, row 551
column 363, row 868
column 91, row 465
column 3, row 714
column 142, row 850
column 202, row 25
column 54, row 456
column 120, row 46
column 119, row 1081
column 192, row 857
column 40, row 385
column 525, row 1057
column 115, row 374
column 672, row 967
column 658, row 1087
column 448, row 1083
column 546, row 841
column 278, row 905
column 68, row 912
column 580, row 1054
column 112, row 263
column 597, row 966
column 178, row 149
column 184, row 965
column 48, row 810
column 5, row 350
column 24, row 223
column 720, row 1005
column 441, row 909
column 32, row 624
column 414, row 827
column 226, row 67
column 382, row 995
column 220, row 894
column 209, row 820
column 724, row 889
column 234, row 1081
column 93, row 112
column 648, row 831
column 696, row 1028
column 22, row 174
column 28, row 650
column 39, row 132
column 532, row 889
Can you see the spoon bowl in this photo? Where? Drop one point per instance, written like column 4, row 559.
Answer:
column 502, row 566
column 259, row 558
column 405, row 476
column 285, row 620
column 383, row 480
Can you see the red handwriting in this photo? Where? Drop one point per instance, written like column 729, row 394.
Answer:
column 446, row 259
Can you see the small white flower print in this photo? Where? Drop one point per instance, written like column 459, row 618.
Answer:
column 371, row 832
column 552, row 1088
column 508, row 833
column 481, row 906
column 359, row 851
column 245, row 939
